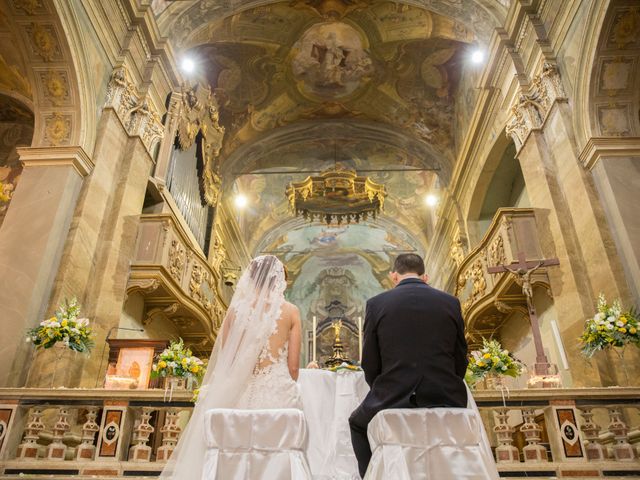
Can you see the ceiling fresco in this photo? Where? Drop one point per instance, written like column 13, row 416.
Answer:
column 283, row 64
column 378, row 86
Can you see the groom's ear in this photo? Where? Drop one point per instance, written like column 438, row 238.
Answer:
column 425, row 278
column 393, row 276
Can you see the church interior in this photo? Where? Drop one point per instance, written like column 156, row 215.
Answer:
column 149, row 149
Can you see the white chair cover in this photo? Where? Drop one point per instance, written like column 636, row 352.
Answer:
column 255, row 444
column 429, row 444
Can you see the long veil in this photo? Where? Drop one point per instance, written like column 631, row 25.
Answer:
column 486, row 445
column 250, row 320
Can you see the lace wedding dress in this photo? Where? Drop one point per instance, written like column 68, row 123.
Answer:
column 248, row 368
column 271, row 385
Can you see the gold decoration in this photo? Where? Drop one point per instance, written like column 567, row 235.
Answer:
column 495, row 253
column 177, row 260
column 627, row 28
column 57, row 128
column 56, row 87
column 44, row 41
column 29, row 6
column 199, row 114
column 337, row 195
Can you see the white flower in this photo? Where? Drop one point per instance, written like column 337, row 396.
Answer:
column 83, row 322
column 610, row 326
column 172, row 364
column 75, row 331
column 504, row 368
column 619, row 323
column 611, row 319
column 598, row 317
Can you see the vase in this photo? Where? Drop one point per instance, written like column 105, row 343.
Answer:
column 172, row 384
column 622, row 370
column 63, row 357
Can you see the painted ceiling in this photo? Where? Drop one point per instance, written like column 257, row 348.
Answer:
column 375, row 85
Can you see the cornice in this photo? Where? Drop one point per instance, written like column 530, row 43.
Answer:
column 598, row 147
column 74, row 156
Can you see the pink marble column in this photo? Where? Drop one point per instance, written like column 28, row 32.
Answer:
column 32, row 239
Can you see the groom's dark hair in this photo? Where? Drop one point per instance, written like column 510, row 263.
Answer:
column 409, row 263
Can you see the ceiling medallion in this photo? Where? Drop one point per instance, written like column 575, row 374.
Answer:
column 338, row 195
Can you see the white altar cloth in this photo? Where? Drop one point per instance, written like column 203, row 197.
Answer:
column 328, row 399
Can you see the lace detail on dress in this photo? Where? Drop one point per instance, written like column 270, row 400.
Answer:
column 271, row 385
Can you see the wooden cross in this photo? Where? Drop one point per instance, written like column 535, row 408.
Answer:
column 522, row 269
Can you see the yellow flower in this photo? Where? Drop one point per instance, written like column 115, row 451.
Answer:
column 623, row 330
column 495, row 359
column 623, row 320
column 185, row 361
column 632, row 330
column 195, row 369
column 64, row 323
column 162, row 364
column 487, row 355
column 480, row 363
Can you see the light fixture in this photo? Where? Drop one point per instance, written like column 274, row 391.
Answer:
column 241, row 201
column 188, row 65
column 431, row 200
column 477, row 56
column 338, row 195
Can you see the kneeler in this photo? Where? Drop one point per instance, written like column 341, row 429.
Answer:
column 429, row 444
column 255, row 445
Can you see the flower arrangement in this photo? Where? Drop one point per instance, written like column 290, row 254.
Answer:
column 66, row 327
column 610, row 327
column 6, row 191
column 492, row 359
column 178, row 361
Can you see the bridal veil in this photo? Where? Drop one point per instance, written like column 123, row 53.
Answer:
column 250, row 320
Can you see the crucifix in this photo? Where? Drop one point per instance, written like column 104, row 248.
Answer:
column 522, row 270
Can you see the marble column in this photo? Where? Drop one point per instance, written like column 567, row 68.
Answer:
column 101, row 242
column 32, row 239
column 567, row 206
column 615, row 166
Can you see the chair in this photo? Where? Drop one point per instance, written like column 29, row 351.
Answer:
column 255, row 444
column 429, row 444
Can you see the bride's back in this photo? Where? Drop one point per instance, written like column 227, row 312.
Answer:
column 276, row 348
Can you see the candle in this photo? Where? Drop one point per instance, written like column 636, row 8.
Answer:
column 360, row 338
column 315, row 328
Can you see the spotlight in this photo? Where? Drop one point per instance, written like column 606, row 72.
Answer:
column 241, row 201
column 188, row 65
column 477, row 56
column 431, row 200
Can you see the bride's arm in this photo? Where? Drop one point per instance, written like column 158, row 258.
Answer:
column 295, row 338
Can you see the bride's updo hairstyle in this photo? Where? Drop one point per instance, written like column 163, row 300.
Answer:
column 266, row 272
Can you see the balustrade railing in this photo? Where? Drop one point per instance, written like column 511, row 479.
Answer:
column 546, row 433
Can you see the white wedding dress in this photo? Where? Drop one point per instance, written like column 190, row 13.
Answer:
column 271, row 385
column 248, row 368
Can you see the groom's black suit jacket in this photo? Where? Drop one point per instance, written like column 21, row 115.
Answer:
column 414, row 352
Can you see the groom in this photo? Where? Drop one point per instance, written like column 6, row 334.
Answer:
column 414, row 353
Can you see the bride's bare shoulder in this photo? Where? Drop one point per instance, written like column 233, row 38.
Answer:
column 290, row 309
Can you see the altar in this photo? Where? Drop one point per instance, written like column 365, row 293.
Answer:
column 328, row 400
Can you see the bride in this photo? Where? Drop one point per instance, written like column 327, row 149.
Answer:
column 254, row 363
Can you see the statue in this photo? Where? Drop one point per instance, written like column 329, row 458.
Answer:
column 337, row 327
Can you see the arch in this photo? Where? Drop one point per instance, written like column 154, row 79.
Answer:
column 500, row 184
column 608, row 97
column 49, row 43
column 247, row 157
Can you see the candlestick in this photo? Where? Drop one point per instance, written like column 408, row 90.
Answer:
column 315, row 333
column 360, row 338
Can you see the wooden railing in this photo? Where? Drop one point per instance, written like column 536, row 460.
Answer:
column 488, row 298
column 546, row 433
column 177, row 281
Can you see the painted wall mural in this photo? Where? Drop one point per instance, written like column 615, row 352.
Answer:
column 334, row 270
